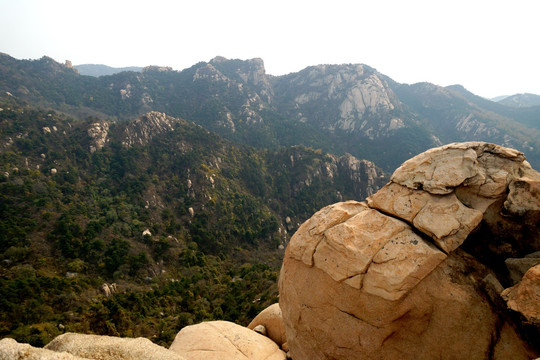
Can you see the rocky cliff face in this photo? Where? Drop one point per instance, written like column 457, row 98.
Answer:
column 250, row 72
column 385, row 279
column 363, row 176
column 143, row 129
column 355, row 98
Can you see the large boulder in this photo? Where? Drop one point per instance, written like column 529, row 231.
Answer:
column 223, row 340
column 386, row 279
column 12, row 350
column 100, row 347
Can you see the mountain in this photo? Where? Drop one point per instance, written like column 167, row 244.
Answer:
column 349, row 108
column 101, row 70
column 521, row 100
column 141, row 227
column 338, row 108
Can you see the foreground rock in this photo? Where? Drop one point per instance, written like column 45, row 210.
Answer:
column 525, row 296
column 12, row 350
column 110, row 347
column 386, row 279
column 222, row 340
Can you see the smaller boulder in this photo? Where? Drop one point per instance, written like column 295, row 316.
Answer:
column 223, row 340
column 261, row 329
column 272, row 319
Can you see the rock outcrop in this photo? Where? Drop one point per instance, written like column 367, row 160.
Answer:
column 110, row 347
column 142, row 130
column 222, row 340
column 12, row 350
column 98, row 133
column 386, row 279
column 360, row 98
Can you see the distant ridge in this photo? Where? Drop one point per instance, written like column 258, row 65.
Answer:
column 499, row 98
column 101, row 70
column 521, row 100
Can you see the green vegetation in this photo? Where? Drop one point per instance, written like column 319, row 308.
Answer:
column 71, row 220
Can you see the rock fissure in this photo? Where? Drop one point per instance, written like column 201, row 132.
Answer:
column 357, row 318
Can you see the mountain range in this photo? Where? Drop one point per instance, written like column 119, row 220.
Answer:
column 348, row 108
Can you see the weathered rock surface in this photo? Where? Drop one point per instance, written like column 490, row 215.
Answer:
column 272, row 319
column 385, row 279
column 519, row 200
column 444, row 316
column 98, row 132
column 487, row 168
column 525, row 296
column 222, row 340
column 361, row 99
column 110, row 347
column 142, row 130
column 442, row 217
column 12, row 350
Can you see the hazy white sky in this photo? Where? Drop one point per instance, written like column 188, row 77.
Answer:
column 490, row 47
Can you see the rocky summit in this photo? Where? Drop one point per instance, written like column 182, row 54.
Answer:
column 441, row 263
column 408, row 274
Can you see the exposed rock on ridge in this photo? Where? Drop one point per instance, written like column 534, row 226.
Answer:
column 98, row 133
column 384, row 280
column 362, row 101
column 142, row 130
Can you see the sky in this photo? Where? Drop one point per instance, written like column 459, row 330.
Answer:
column 489, row 47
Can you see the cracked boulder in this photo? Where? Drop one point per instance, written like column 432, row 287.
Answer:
column 386, row 278
column 223, row 340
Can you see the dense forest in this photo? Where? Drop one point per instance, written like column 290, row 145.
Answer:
column 188, row 226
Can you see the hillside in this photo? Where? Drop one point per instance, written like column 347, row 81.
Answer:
column 189, row 226
column 348, row 108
